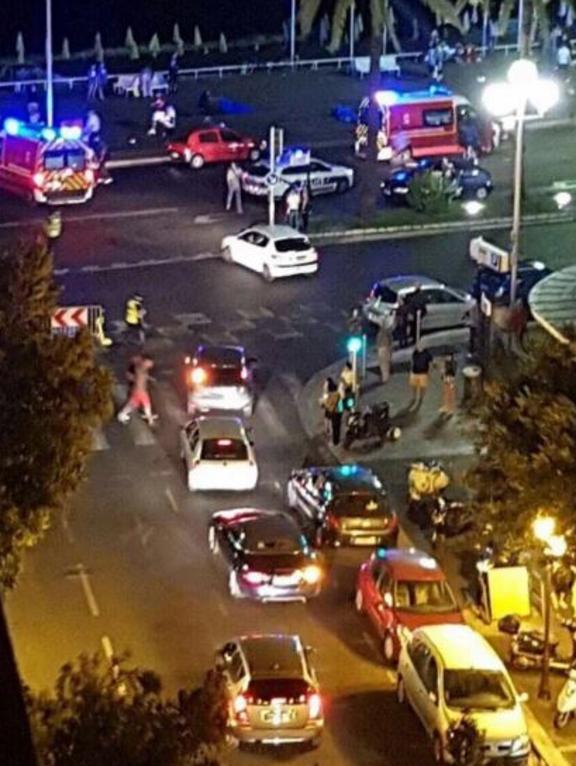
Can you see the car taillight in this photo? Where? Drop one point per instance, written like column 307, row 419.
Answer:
column 244, row 373
column 311, row 574
column 241, row 708
column 197, row 376
column 39, row 179
column 255, row 578
column 314, row 705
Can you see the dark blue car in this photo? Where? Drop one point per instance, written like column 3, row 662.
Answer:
column 496, row 286
column 468, row 180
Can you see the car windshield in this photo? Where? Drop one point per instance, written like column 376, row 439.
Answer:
column 224, row 449
column 361, row 504
column 224, row 376
column 298, row 244
column 424, row 596
column 477, row 689
column 383, row 293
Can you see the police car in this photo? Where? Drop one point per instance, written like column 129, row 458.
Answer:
column 296, row 165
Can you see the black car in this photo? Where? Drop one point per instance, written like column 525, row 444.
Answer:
column 267, row 556
column 344, row 505
column 496, row 286
column 468, row 180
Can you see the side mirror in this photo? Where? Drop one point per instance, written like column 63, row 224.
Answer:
column 523, row 697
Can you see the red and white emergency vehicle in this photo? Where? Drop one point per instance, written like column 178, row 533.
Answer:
column 46, row 165
column 419, row 124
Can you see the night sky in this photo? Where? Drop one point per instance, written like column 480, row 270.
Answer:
column 80, row 20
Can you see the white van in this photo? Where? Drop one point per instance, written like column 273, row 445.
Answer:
column 445, row 671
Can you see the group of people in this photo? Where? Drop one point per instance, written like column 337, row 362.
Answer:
column 97, row 81
column 298, row 206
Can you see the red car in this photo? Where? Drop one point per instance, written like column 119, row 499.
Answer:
column 401, row 589
column 211, row 144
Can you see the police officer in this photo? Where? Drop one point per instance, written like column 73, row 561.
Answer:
column 53, row 226
column 134, row 316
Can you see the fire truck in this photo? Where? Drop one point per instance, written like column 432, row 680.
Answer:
column 46, row 165
column 420, row 124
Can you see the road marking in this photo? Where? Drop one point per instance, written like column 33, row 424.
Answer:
column 137, row 162
column 88, row 592
column 108, row 648
column 141, row 433
column 123, row 265
column 205, row 257
column 286, row 335
column 266, row 411
column 66, row 526
column 115, row 214
column 203, row 220
column 292, row 383
column 195, row 319
column 171, row 500
column 144, row 532
column 99, row 440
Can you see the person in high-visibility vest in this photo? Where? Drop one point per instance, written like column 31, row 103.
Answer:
column 53, row 225
column 134, row 316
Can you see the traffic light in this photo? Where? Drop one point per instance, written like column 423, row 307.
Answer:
column 354, row 344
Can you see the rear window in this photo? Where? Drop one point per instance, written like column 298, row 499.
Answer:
column 266, row 689
column 298, row 244
column 435, row 118
column 225, row 376
column 58, row 160
column 360, row 504
column 385, row 294
column 224, row 449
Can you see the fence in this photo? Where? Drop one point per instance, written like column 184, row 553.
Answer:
column 337, row 63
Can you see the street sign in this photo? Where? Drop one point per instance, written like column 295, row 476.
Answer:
column 487, row 254
column 75, row 317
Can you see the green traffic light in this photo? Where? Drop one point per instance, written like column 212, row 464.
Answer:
column 354, row 344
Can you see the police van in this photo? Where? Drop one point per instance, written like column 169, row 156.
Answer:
column 296, row 166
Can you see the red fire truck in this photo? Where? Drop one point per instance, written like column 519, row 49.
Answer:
column 419, row 124
column 46, row 165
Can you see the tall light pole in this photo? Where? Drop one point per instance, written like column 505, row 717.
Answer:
column 519, row 40
column 49, row 74
column 508, row 98
column 351, row 33
column 292, row 31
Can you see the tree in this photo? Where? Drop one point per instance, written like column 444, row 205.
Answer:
column 53, row 394
column 527, row 443
column 118, row 716
column 466, row 742
column 154, row 46
column 177, row 40
column 65, row 49
column 132, row 45
column 98, row 47
column 20, row 49
column 429, row 192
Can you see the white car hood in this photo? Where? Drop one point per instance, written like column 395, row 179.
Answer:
column 499, row 725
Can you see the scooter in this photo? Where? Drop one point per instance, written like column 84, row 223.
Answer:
column 372, row 424
column 566, row 701
column 449, row 518
column 527, row 646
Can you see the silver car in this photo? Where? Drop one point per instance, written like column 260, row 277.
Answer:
column 446, row 307
column 273, row 689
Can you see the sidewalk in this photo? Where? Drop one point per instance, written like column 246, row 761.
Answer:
column 426, row 434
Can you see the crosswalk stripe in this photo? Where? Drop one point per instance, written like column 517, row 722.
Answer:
column 266, row 411
column 99, row 440
column 292, row 383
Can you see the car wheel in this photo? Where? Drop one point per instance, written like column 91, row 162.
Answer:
column 401, row 691
column 359, row 601
column 389, row 649
column 438, row 749
column 342, row 185
column 254, row 155
column 197, row 161
column 267, row 274
column 227, row 255
column 481, row 192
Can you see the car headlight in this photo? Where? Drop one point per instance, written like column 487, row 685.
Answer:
column 520, row 744
column 311, row 574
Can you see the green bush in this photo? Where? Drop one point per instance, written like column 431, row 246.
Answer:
column 429, row 192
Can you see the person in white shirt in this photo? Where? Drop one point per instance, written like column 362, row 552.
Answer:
column 563, row 57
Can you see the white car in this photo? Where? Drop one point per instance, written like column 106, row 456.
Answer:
column 218, row 454
column 323, row 178
column 273, row 251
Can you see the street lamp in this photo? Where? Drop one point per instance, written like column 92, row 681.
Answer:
column 503, row 99
column 554, row 547
column 49, row 73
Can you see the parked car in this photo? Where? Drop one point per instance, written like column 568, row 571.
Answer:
column 273, row 251
column 468, row 180
column 218, row 454
column 496, row 286
column 265, row 554
column 211, row 144
column 447, row 671
column 343, row 505
column 219, row 378
column 273, row 688
column 446, row 307
column 402, row 589
column 323, row 177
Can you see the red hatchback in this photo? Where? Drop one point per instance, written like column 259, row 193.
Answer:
column 401, row 589
column 211, row 144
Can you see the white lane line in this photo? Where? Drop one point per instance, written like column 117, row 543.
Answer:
column 141, row 434
column 123, row 266
column 88, row 592
column 99, row 440
column 108, row 648
column 67, row 528
column 171, row 500
column 112, row 215
column 137, row 162
column 268, row 414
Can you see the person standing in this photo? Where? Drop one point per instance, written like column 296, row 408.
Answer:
column 384, row 352
column 234, row 186
column 416, row 305
column 293, row 203
column 449, row 369
column 305, row 206
column 92, row 82
column 139, row 376
column 134, row 317
column 331, row 403
column 419, row 371
column 173, row 72
column 564, row 58
column 101, row 80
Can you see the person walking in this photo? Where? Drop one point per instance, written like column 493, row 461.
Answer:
column 449, row 369
column 234, row 186
column 139, row 376
column 145, row 78
column 101, row 80
column 173, row 72
column 331, row 403
column 384, row 352
column 293, row 204
column 419, row 371
column 134, row 317
column 92, row 82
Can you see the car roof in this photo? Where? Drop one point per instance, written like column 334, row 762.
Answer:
column 405, row 282
column 273, row 655
column 225, row 355
column 461, row 647
column 277, row 231
column 351, row 478
column 272, row 527
column 219, row 427
column 410, row 564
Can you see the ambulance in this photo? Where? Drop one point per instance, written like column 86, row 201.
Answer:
column 419, row 124
column 46, row 165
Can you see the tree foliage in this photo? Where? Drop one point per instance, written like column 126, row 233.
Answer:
column 118, row 716
column 465, row 742
column 53, row 394
column 429, row 192
column 527, row 443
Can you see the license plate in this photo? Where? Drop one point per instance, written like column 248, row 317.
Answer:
column 284, row 580
column 365, row 540
column 277, row 716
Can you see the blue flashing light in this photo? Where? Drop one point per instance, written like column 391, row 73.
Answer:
column 354, row 344
column 401, row 176
column 49, row 134
column 381, row 553
column 348, row 470
column 386, row 97
column 12, row 126
column 71, row 132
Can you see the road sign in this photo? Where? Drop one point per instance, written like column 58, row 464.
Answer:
column 487, row 254
column 271, row 179
column 74, row 317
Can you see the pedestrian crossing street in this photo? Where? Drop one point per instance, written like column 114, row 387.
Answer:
column 275, row 418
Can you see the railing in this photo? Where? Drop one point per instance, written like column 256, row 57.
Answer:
column 337, row 63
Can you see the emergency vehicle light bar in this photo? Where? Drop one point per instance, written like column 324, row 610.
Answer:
column 14, row 127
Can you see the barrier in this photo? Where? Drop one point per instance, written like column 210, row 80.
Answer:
column 69, row 320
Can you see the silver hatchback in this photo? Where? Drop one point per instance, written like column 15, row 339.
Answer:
column 273, row 689
column 446, row 307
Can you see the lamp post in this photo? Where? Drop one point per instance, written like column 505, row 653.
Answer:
column 292, row 31
column 554, row 546
column 523, row 86
column 49, row 74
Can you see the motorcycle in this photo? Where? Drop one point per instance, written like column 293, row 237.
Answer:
column 372, row 424
column 566, row 701
column 527, row 646
column 449, row 518
column 426, row 483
